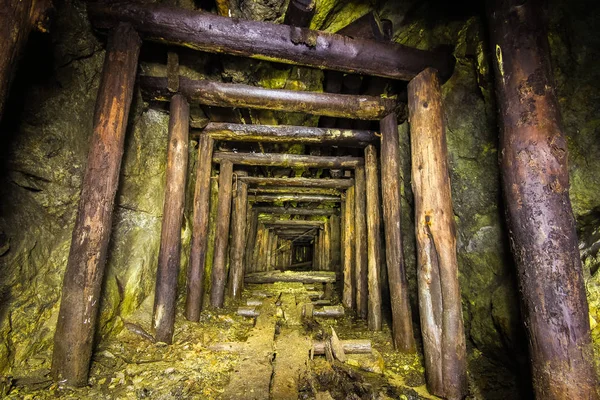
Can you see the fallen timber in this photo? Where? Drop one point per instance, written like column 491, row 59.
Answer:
column 212, row 93
column 289, row 276
column 288, row 134
column 354, row 346
column 309, row 198
column 308, row 311
column 269, row 41
column 299, row 182
column 287, row 160
column 295, row 211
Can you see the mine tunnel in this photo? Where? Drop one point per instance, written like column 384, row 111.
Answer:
column 299, row 199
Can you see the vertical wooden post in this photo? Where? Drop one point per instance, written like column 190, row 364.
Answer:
column 373, row 237
column 170, row 238
column 73, row 340
column 200, row 220
column 251, row 238
column 541, row 225
column 402, row 326
column 439, row 292
column 238, row 239
column 348, row 271
column 219, row 273
column 273, row 250
column 335, row 228
column 327, row 246
column 360, row 238
column 268, row 250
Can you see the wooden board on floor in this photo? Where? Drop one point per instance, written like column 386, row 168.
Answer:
column 292, row 349
column 291, row 276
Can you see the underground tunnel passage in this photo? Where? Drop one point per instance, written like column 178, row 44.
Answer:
column 302, row 199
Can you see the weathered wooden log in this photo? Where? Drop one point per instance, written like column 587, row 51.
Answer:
column 269, row 249
column 402, row 326
column 73, row 340
column 269, row 41
column 309, row 198
column 299, row 182
column 301, row 264
column 361, row 289
column 329, row 312
column 366, row 27
column 373, row 237
column 334, row 222
column 212, row 93
column 170, row 239
column 287, row 160
column 17, row 19
column 355, row 346
column 295, row 211
column 541, row 226
column 291, row 276
column 254, row 302
column 248, row 311
column 238, row 237
column 252, row 238
column 348, row 296
column 223, row 7
column 298, row 223
column 219, row 275
column 327, row 247
column 296, row 190
column 172, row 72
column 439, row 292
column 299, row 13
column 200, row 220
column 288, row 134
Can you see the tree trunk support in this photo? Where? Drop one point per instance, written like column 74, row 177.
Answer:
column 439, row 293
column 360, row 246
column 73, row 340
column 238, row 237
column 348, row 292
column 170, row 243
column 540, row 220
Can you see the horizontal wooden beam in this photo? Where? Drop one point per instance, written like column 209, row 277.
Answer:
column 308, row 198
column 236, row 95
column 293, row 223
column 291, row 276
column 288, row 134
column 289, row 190
column 268, row 41
column 298, row 182
column 287, row 160
column 295, row 211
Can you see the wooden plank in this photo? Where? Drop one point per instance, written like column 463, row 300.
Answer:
column 541, row 227
column 292, row 350
column 295, row 211
column 402, row 326
column 269, row 41
column 289, row 134
column 200, row 220
column 234, row 95
column 170, row 238
column 439, row 293
column 309, row 198
column 299, row 13
column 74, row 336
column 219, row 275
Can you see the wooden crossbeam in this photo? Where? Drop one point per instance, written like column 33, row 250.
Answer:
column 299, row 182
column 287, row 160
column 295, row 211
column 293, row 223
column 287, row 190
column 269, row 41
column 288, row 134
column 309, row 198
column 220, row 94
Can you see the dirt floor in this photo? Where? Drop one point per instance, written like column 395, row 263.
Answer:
column 271, row 358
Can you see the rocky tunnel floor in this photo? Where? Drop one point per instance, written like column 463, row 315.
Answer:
column 229, row 356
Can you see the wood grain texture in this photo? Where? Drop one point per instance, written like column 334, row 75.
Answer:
column 437, row 268
column 238, row 239
column 360, row 244
column 348, row 295
column 73, row 339
column 541, row 226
